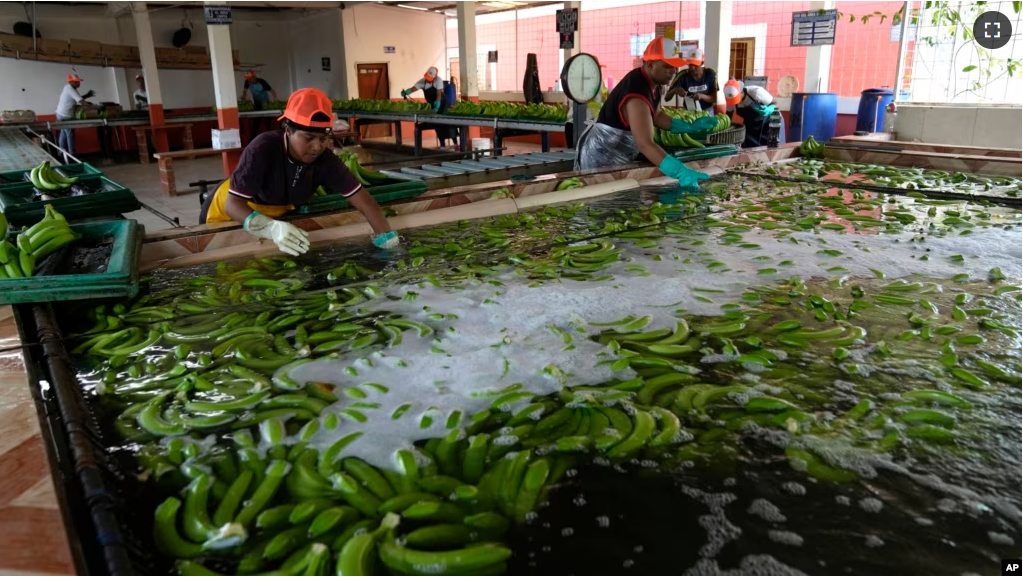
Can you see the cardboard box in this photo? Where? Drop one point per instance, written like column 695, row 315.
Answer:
column 229, row 138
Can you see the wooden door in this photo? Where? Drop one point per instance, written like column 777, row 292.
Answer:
column 374, row 84
column 740, row 62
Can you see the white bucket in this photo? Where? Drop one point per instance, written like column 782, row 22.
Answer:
column 481, row 144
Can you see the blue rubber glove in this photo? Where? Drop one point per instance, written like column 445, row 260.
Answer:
column 405, row 92
column 766, row 109
column 702, row 124
column 387, row 240
column 685, row 176
column 436, row 105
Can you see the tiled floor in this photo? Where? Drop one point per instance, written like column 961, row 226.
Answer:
column 32, row 538
column 144, row 181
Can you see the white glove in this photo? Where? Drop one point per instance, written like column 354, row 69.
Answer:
column 288, row 237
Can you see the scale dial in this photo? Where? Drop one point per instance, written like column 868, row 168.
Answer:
column 580, row 78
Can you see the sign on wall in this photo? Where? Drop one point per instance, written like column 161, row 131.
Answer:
column 568, row 23
column 814, row 27
column 760, row 81
column 325, row 63
column 664, row 30
column 217, row 15
column 388, row 49
column 491, row 56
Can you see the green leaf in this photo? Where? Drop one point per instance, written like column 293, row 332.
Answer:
column 865, row 18
column 927, row 5
column 852, row 17
column 970, row 68
column 1016, row 7
column 883, row 16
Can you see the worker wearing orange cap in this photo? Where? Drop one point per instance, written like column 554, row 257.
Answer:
column 282, row 169
column 433, row 92
column 696, row 81
column 754, row 105
column 69, row 98
column 625, row 125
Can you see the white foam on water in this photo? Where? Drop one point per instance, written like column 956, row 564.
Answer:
column 1000, row 538
column 755, row 565
column 871, row 505
column 794, row 488
column 785, row 537
column 843, row 500
column 873, row 541
column 766, row 510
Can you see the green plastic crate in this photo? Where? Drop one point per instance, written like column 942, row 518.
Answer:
column 12, row 177
column 119, row 280
column 388, row 191
column 112, row 199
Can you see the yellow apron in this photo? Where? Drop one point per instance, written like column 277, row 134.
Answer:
column 217, row 213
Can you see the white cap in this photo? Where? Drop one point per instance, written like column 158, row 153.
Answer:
column 692, row 55
column 759, row 95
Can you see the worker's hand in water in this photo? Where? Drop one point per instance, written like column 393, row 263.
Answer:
column 388, row 240
column 288, row 237
column 702, row 124
column 405, row 92
column 685, row 176
column 436, row 105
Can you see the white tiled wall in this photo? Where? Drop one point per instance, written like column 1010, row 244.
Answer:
column 990, row 126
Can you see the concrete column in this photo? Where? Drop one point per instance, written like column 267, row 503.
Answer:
column 224, row 90
column 818, row 58
column 470, row 89
column 147, row 54
column 570, row 52
column 718, row 32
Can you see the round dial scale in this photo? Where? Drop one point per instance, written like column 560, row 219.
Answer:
column 580, row 78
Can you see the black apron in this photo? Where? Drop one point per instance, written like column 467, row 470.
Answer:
column 431, row 94
column 757, row 126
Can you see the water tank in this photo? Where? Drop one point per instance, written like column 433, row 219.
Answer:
column 870, row 117
column 812, row 114
column 450, row 93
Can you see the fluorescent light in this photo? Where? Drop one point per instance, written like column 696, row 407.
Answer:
column 413, row 7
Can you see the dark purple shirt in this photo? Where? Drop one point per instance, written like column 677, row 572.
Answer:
column 267, row 175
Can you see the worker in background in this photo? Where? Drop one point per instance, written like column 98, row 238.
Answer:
column 282, row 169
column 625, row 124
column 140, row 96
column 262, row 93
column 433, row 92
column 69, row 98
column 697, row 81
column 754, row 105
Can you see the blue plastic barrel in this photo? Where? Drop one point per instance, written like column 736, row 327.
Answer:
column 873, row 101
column 449, row 93
column 812, row 114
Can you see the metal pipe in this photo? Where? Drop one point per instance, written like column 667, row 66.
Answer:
column 900, row 65
column 34, row 48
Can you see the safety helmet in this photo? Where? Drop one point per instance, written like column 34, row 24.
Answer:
column 431, row 74
column 733, row 92
column 73, row 78
column 304, row 105
column 663, row 49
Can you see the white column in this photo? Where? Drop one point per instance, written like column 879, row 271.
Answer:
column 570, row 52
column 900, row 66
column 718, row 31
column 147, row 53
column 224, row 89
column 466, row 12
column 818, row 58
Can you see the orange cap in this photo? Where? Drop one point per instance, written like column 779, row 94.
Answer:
column 139, row 77
column 250, row 75
column 693, row 56
column 304, row 104
column 73, row 78
column 733, row 92
column 663, row 49
column 431, row 74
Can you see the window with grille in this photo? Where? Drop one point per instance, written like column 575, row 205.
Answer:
column 740, row 61
column 639, row 42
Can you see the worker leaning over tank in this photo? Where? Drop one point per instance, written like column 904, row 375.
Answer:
column 625, row 126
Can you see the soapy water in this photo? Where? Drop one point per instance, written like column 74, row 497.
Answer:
column 767, row 518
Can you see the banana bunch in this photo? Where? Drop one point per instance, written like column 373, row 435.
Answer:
column 40, row 240
column 811, row 148
column 666, row 138
column 44, row 178
column 364, row 176
column 570, row 183
column 371, row 105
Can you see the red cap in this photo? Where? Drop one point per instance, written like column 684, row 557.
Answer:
column 250, row 75
column 73, row 78
column 304, row 104
column 431, row 74
column 663, row 49
column 138, row 77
